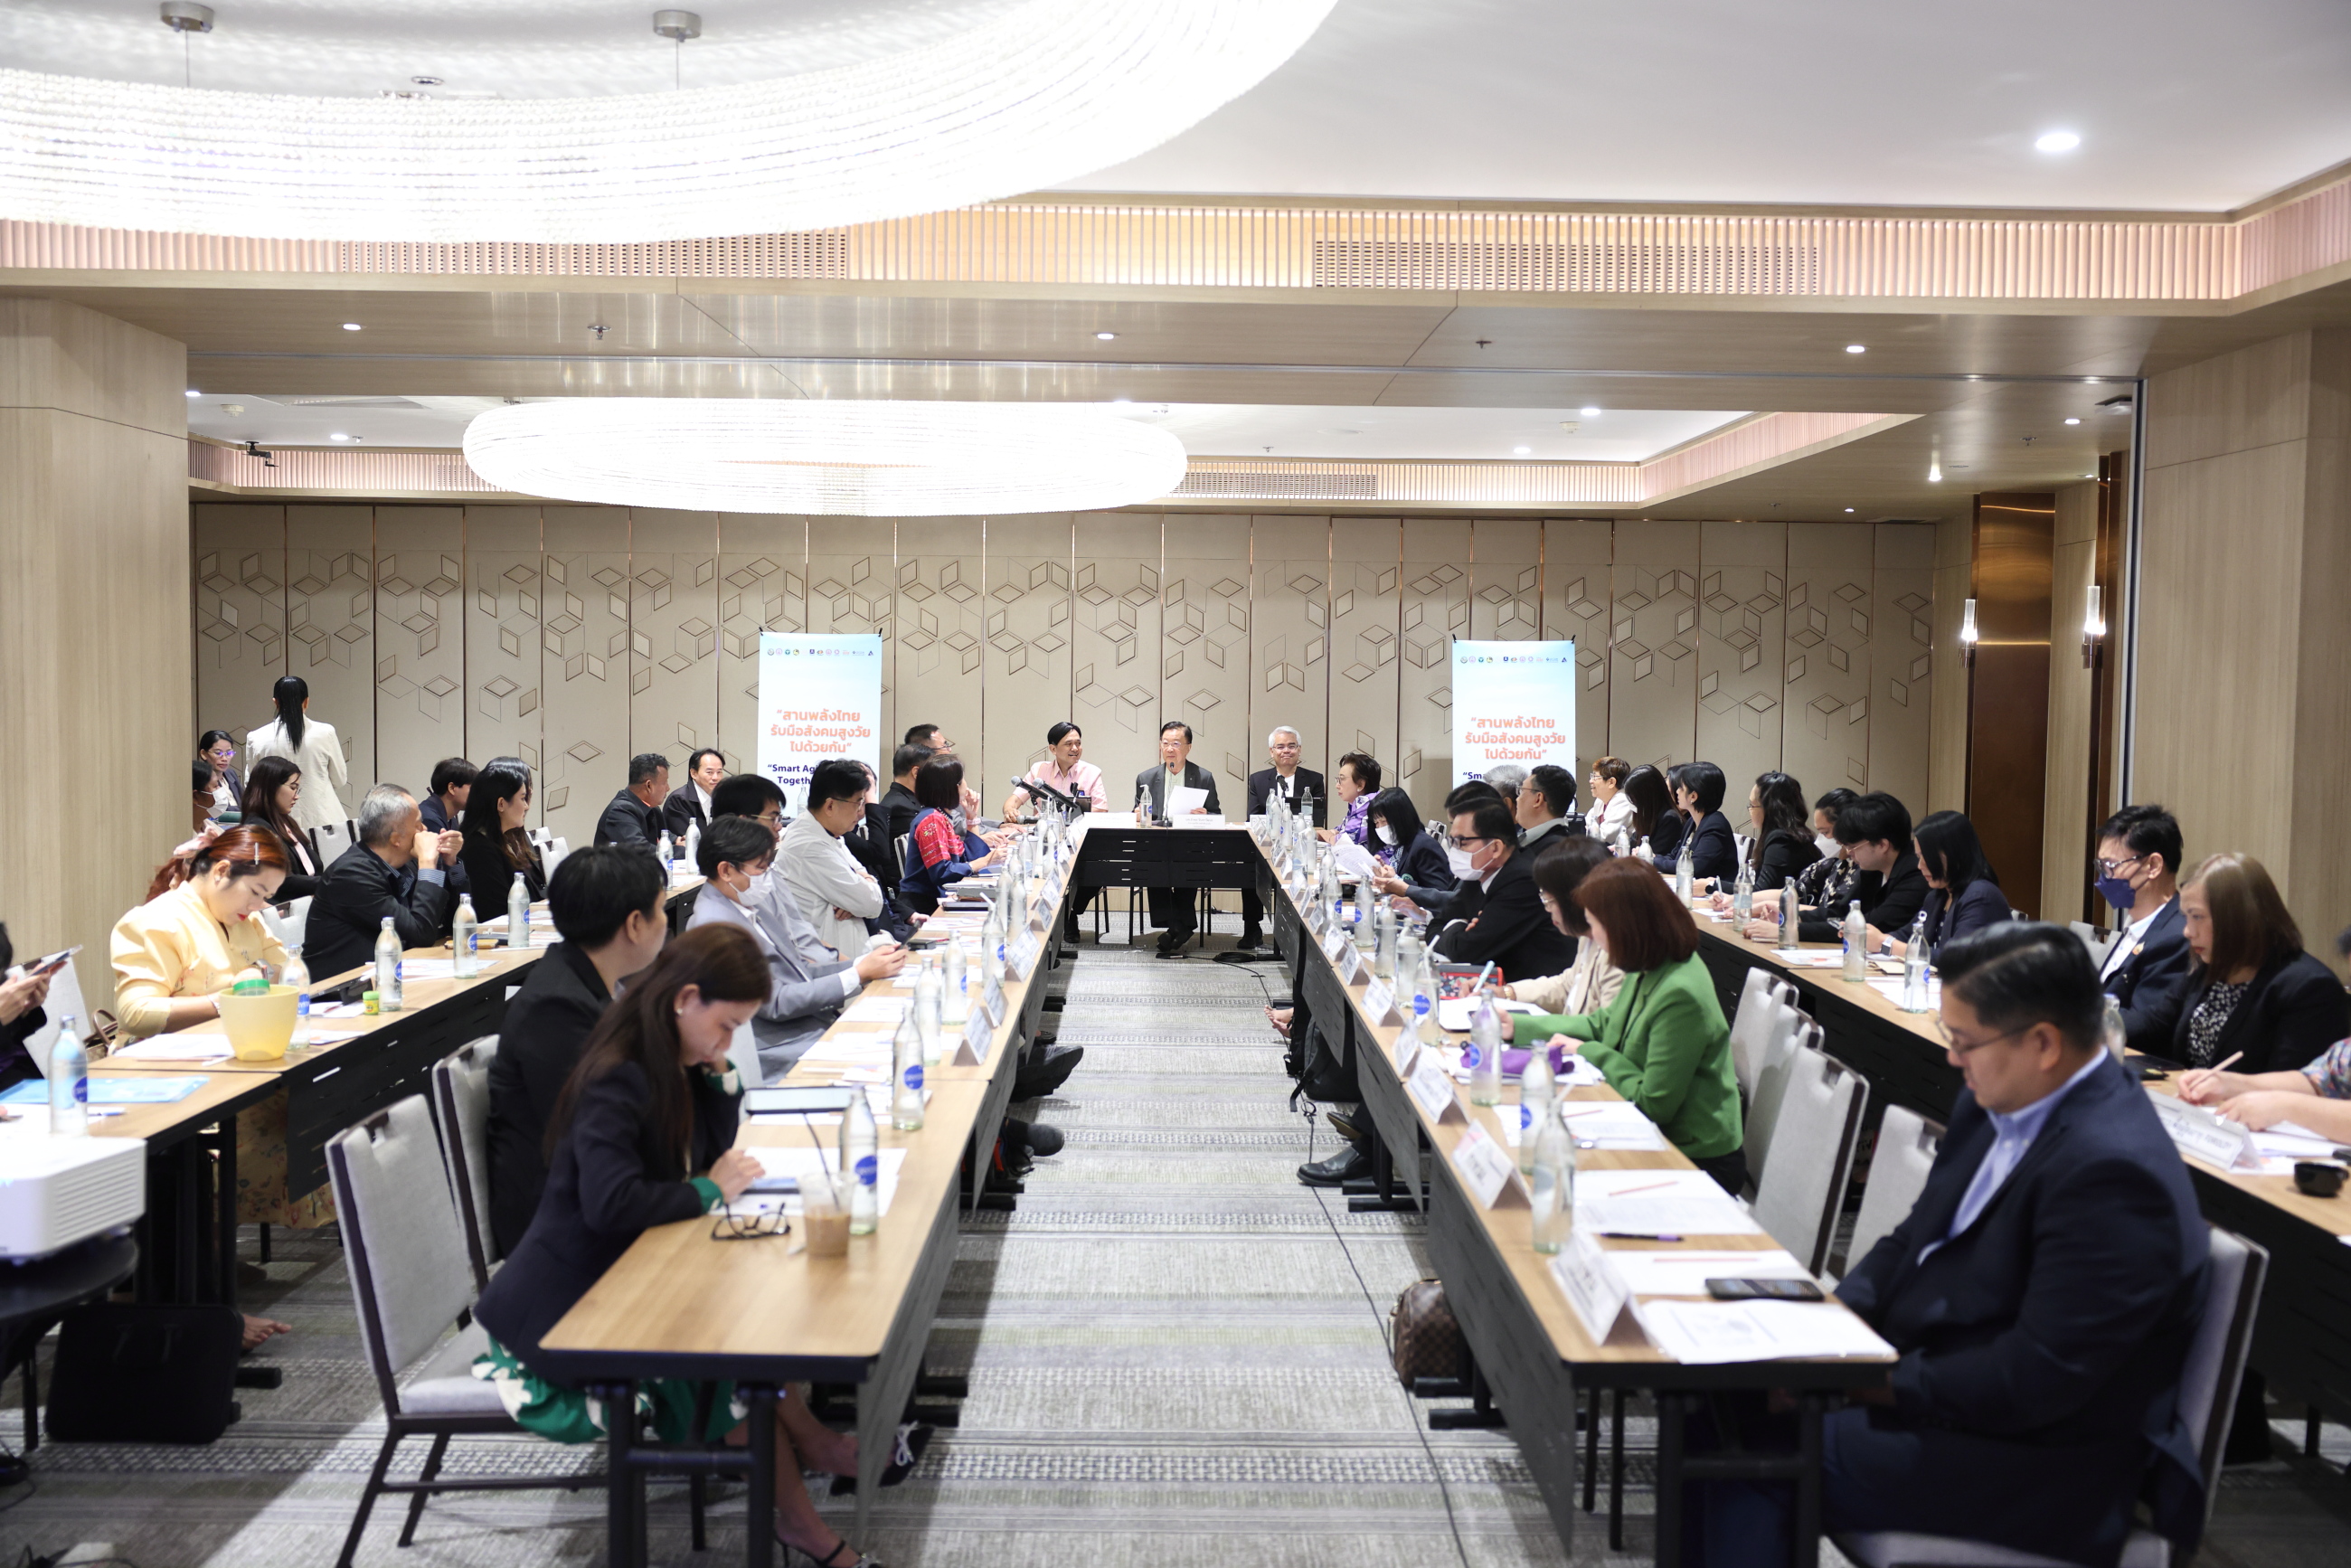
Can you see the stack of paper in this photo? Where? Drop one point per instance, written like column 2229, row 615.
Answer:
column 1659, row 1202
column 876, row 1008
column 440, row 969
column 1604, row 1125
column 1704, row 1334
column 851, row 1050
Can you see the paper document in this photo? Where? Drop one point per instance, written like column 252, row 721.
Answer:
column 850, row 1048
column 1808, row 957
column 174, row 1047
column 1600, row 1124
column 1670, row 1203
column 1454, row 1013
column 872, row 1008
column 440, row 968
column 1356, row 863
column 787, row 1160
column 1704, row 1334
column 111, row 1092
column 1180, row 802
column 1685, row 1273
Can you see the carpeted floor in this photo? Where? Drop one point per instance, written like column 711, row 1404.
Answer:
column 1175, row 1354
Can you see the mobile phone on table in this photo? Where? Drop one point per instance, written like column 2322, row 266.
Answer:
column 1764, row 1290
column 52, row 963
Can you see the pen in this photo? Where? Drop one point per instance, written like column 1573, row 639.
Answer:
column 1636, row 1236
column 1628, row 1191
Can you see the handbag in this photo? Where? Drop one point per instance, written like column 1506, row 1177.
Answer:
column 131, row 1374
column 1424, row 1340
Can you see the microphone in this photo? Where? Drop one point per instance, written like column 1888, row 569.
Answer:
column 1044, row 792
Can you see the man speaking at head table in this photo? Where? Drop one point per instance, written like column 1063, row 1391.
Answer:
column 1301, row 788
column 1171, row 907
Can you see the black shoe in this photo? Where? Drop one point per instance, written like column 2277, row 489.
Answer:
column 1343, row 1123
column 1252, row 938
column 914, row 1437
column 1047, row 1070
column 1044, row 1140
column 1337, row 1171
column 1070, row 929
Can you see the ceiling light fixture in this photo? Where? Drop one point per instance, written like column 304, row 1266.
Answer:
column 1848, row 508
column 352, row 327
column 1934, row 472
column 835, row 457
column 1857, row 348
column 1027, row 98
column 2073, row 422
column 2056, row 142
column 193, row 392
column 1106, row 337
column 339, row 435
column 1589, row 412
column 1520, row 451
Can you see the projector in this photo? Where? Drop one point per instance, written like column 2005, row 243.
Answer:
column 54, row 1192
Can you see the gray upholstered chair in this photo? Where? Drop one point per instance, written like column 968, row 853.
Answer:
column 1792, row 1033
column 1906, row 1145
column 1762, row 999
column 1818, row 1121
column 461, row 1106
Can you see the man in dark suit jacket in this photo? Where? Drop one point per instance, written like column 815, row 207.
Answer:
column 2146, row 971
column 1300, row 787
column 396, row 870
column 1172, row 908
column 634, row 815
column 899, row 806
column 607, row 903
column 1499, row 907
column 2043, row 1293
column 688, row 805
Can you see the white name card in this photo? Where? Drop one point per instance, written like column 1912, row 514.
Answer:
column 976, row 1038
column 1592, row 1288
column 2197, row 1131
column 1040, row 915
column 1432, row 1087
column 991, row 1001
column 1408, row 1048
column 1379, row 1005
column 1024, row 957
column 1491, row 1173
column 1352, row 963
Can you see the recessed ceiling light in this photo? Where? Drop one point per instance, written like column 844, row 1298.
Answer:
column 1520, row 451
column 2056, row 142
column 1848, row 508
column 1934, row 472
column 1106, row 337
column 1589, row 412
column 1857, row 348
column 339, row 435
column 351, row 327
column 193, row 392
column 1122, row 400
column 2073, row 422
column 425, row 81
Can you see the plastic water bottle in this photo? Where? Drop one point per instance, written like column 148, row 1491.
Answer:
column 1623, row 843
column 992, row 942
column 1856, row 942
column 1384, row 942
column 296, row 978
column 1424, row 994
column 861, row 1164
column 1791, row 921
column 465, row 940
column 1742, row 894
column 2115, row 1033
column 387, row 967
column 1484, row 1057
column 1366, row 902
column 667, row 851
column 906, row 1050
column 1682, row 872
column 1537, row 1088
column 955, row 995
column 929, row 1012
column 693, row 848
column 1552, row 1184
column 1914, row 968
column 68, row 1082
column 518, row 915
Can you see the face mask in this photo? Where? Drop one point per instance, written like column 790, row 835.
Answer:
column 1387, row 835
column 1459, row 860
column 2118, row 892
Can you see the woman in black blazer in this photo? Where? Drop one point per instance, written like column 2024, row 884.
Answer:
column 1655, row 821
column 1712, row 849
column 1781, row 845
column 1963, row 893
column 1415, row 857
column 643, row 1135
column 2252, row 989
column 269, row 796
column 497, row 839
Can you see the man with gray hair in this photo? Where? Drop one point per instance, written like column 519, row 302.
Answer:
column 1301, row 788
column 394, row 873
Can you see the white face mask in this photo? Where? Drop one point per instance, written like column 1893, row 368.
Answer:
column 1459, row 858
column 1387, row 835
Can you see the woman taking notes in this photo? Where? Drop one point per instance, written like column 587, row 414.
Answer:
column 310, row 746
column 643, row 1135
column 1662, row 1043
column 2252, row 989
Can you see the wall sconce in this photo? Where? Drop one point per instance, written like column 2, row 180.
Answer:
column 2093, row 628
column 1968, row 633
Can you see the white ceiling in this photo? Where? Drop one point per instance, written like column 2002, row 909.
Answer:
column 2183, row 104
column 1207, row 430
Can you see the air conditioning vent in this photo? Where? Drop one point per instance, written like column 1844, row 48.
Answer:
column 343, row 402
column 1629, row 268
column 1281, row 487
column 815, row 253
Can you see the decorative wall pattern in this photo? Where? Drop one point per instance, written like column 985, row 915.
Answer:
column 577, row 636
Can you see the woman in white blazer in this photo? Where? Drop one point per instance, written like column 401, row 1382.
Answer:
column 311, row 745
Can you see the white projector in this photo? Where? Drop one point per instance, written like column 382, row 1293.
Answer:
column 54, row 1192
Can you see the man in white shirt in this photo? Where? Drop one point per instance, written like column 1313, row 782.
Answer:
column 2146, row 971
column 834, row 893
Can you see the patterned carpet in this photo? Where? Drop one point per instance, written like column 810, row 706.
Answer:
column 1176, row 1356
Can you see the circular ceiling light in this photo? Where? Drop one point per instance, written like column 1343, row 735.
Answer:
column 1019, row 100
column 2056, row 142
column 838, row 458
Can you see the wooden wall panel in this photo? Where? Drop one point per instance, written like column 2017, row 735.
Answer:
column 851, row 563
column 584, row 663
column 763, row 585
column 1205, row 660
column 1026, row 658
column 1946, row 748
column 941, row 606
column 1366, row 618
column 1578, row 567
column 1653, row 653
column 673, row 633
column 1115, row 642
column 1902, row 661
column 1290, row 637
column 1825, row 737
column 240, row 617
column 2067, row 829
column 420, row 645
column 1435, row 610
column 1506, row 579
column 504, row 685
column 1742, row 636
column 330, row 637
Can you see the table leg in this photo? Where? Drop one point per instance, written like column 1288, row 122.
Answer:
column 1671, row 1414
column 620, row 1400
column 1808, row 1483
column 759, row 1507
column 224, row 1180
column 1617, row 1471
column 188, row 1247
column 1591, row 1449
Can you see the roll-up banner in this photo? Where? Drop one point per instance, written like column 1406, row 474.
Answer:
column 1513, row 702
column 820, row 696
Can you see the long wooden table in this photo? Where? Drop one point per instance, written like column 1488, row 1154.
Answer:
column 2299, row 1347
column 1531, row 1350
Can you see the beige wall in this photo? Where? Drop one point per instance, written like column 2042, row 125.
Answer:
column 591, row 633
column 93, row 622
column 2244, row 672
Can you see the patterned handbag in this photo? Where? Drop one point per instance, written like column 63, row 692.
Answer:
column 1423, row 1339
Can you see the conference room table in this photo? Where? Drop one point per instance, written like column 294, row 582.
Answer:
column 2299, row 1345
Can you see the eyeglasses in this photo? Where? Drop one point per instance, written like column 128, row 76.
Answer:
column 2111, row 868
column 729, row 1225
column 1467, row 839
column 1974, row 1045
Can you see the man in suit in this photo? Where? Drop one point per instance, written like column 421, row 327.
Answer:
column 634, row 815
column 2042, row 1294
column 869, row 845
column 1498, row 915
column 898, row 803
column 688, row 805
column 1299, row 789
column 607, row 906
column 1545, row 809
column 1172, row 908
column 396, row 870
column 2145, row 971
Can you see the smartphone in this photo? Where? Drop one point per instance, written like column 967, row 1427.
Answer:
column 52, row 963
column 775, row 1184
column 796, row 1101
column 1764, row 1290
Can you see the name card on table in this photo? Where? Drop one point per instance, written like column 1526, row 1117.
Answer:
column 1408, row 1049
column 1024, row 957
column 1350, row 963
column 1040, row 915
column 1432, row 1087
column 976, row 1038
column 1380, row 1005
column 1592, row 1288
column 2197, row 1131
column 1492, row 1175
column 991, row 1001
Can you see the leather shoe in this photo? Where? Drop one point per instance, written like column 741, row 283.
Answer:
column 1046, row 1070
column 1252, row 937
column 1044, row 1140
column 1338, row 1170
column 1343, row 1123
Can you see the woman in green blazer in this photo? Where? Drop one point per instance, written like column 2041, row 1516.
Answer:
column 1662, row 1043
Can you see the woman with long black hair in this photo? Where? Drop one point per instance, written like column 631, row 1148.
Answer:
column 497, row 837
column 273, row 799
column 311, row 745
column 1780, row 845
column 1658, row 824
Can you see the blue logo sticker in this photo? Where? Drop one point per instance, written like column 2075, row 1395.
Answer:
column 81, row 1091
column 869, row 1170
column 1469, row 1058
column 1526, row 1117
column 914, row 1076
